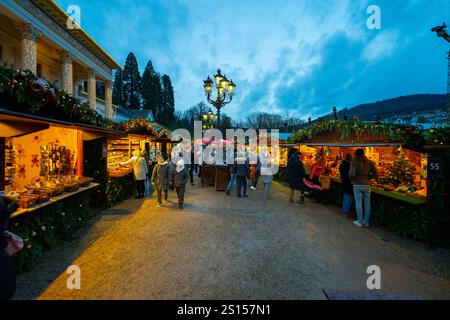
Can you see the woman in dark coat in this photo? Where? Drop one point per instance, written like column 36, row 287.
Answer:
column 296, row 173
column 347, row 186
column 7, row 272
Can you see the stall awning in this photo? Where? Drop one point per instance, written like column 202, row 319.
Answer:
column 15, row 124
column 343, row 144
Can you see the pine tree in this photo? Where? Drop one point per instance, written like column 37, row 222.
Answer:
column 131, row 83
column 152, row 92
column 168, row 101
column 117, row 95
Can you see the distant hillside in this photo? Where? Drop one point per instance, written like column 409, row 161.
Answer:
column 395, row 107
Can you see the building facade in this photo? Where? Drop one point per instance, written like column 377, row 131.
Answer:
column 39, row 36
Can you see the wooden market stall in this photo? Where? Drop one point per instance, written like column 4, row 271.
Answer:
column 402, row 172
column 120, row 150
column 41, row 160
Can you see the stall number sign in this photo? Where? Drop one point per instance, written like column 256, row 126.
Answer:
column 436, row 168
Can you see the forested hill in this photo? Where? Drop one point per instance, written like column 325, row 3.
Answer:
column 419, row 103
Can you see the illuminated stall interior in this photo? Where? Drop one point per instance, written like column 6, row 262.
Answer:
column 120, row 150
column 42, row 159
column 400, row 170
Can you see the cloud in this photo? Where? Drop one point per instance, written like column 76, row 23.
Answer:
column 381, row 46
column 300, row 57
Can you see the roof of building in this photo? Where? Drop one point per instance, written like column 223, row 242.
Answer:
column 136, row 114
column 54, row 11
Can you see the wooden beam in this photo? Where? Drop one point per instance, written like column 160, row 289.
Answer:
column 9, row 129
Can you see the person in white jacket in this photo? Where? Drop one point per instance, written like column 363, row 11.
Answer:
column 140, row 171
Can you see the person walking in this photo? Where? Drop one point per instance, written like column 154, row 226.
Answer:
column 7, row 271
column 140, row 170
column 191, row 167
column 242, row 171
column 347, row 186
column 361, row 171
column 296, row 173
column 256, row 174
column 266, row 174
column 144, row 153
column 160, row 179
column 232, row 170
column 180, row 179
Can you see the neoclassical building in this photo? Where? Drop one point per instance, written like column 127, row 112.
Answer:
column 35, row 35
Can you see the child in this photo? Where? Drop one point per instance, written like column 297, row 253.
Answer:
column 180, row 179
column 160, row 179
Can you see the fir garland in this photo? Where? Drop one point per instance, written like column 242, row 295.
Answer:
column 413, row 137
column 18, row 93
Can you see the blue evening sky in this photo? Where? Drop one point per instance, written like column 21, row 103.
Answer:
column 296, row 57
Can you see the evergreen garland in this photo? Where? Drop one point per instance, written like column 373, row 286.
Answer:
column 18, row 93
column 414, row 138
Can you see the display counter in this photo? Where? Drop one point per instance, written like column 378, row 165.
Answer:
column 52, row 200
column 393, row 194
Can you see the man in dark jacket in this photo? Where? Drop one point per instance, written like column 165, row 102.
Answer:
column 7, row 272
column 179, row 179
column 242, row 169
column 347, row 186
column 232, row 170
column 296, row 173
column 361, row 171
column 160, row 179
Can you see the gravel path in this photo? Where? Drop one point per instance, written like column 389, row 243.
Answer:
column 222, row 247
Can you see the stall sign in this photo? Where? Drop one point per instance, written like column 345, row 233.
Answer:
column 436, row 168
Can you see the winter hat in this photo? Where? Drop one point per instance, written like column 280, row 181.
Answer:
column 180, row 165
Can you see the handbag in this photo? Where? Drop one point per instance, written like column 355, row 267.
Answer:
column 15, row 243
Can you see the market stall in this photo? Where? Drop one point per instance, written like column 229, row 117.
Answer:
column 42, row 159
column 402, row 171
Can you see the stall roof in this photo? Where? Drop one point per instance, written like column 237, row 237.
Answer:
column 342, row 144
column 14, row 124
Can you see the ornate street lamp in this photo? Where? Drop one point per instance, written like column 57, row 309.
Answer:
column 208, row 120
column 225, row 88
column 442, row 33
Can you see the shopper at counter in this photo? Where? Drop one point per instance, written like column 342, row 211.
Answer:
column 347, row 186
column 361, row 171
column 296, row 173
column 140, row 170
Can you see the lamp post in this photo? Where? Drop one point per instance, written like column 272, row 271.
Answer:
column 208, row 120
column 225, row 88
column 442, row 33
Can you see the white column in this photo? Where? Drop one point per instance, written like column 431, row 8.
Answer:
column 92, row 95
column 66, row 72
column 108, row 100
column 29, row 35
